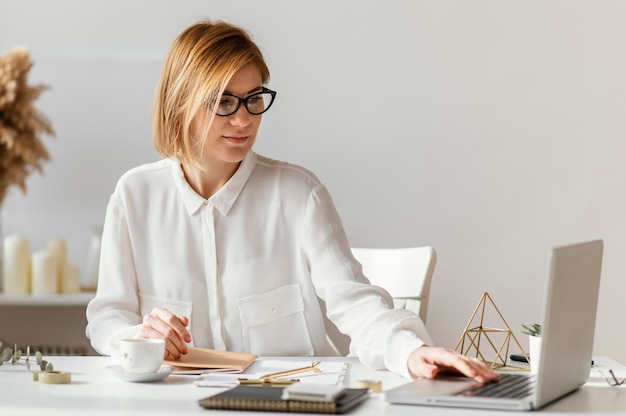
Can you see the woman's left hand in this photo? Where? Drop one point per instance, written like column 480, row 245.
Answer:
column 427, row 362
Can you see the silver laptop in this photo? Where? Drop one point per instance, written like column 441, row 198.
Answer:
column 569, row 316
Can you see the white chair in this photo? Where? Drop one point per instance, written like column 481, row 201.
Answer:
column 405, row 273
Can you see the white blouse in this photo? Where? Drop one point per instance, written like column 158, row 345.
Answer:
column 248, row 267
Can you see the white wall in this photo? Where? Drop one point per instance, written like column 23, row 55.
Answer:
column 491, row 130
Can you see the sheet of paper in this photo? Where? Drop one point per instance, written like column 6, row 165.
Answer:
column 333, row 373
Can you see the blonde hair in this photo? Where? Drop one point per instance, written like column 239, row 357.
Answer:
column 197, row 67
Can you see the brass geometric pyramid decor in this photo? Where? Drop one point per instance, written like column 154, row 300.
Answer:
column 477, row 336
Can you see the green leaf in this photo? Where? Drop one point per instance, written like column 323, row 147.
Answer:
column 38, row 357
column 7, row 354
column 534, row 329
column 16, row 356
column 49, row 366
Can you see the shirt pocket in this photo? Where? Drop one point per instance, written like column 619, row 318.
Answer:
column 178, row 307
column 273, row 323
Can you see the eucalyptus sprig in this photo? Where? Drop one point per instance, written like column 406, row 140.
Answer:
column 533, row 330
column 14, row 355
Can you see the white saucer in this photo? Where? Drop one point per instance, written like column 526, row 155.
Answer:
column 161, row 373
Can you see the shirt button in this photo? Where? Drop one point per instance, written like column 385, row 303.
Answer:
column 207, row 203
column 274, row 311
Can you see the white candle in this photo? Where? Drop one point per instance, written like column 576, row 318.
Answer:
column 58, row 247
column 44, row 273
column 16, row 265
column 70, row 283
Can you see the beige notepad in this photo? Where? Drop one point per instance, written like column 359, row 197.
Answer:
column 204, row 360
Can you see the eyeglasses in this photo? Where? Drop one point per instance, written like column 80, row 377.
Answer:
column 613, row 381
column 257, row 103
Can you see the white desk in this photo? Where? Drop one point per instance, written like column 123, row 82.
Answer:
column 95, row 391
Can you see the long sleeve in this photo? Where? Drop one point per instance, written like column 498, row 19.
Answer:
column 112, row 314
column 381, row 336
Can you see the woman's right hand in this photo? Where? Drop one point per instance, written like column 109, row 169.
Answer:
column 162, row 324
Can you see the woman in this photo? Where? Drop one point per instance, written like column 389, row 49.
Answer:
column 218, row 247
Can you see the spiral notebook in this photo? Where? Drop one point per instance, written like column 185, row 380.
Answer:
column 269, row 399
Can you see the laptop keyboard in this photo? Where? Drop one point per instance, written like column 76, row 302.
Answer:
column 512, row 386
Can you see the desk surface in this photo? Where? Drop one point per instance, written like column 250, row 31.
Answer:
column 96, row 391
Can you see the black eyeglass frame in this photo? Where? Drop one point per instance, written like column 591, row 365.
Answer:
column 615, row 382
column 245, row 102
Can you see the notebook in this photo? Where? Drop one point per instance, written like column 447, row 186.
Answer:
column 205, row 360
column 568, row 319
column 269, row 399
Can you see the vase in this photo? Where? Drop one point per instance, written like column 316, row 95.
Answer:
column 534, row 352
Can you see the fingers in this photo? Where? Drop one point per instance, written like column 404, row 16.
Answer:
column 474, row 368
column 160, row 323
column 429, row 361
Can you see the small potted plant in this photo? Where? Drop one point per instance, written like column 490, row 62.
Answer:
column 533, row 330
column 534, row 344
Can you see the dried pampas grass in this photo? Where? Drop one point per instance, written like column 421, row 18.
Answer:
column 21, row 125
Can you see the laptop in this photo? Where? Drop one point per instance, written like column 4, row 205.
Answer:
column 568, row 324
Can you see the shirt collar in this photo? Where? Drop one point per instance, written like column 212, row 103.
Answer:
column 225, row 198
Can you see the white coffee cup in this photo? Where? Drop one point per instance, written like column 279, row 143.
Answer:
column 141, row 355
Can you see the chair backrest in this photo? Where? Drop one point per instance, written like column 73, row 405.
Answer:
column 405, row 273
